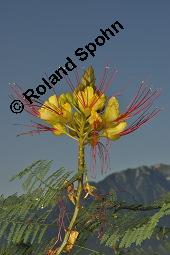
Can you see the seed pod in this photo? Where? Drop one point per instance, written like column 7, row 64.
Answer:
column 72, row 238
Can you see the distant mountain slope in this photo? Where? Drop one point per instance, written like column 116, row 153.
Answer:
column 143, row 184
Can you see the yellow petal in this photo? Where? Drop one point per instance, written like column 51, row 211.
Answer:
column 88, row 100
column 89, row 94
column 112, row 110
column 49, row 113
column 66, row 110
column 113, row 132
column 67, row 107
column 53, row 100
column 94, row 118
column 56, row 110
column 99, row 102
column 84, row 99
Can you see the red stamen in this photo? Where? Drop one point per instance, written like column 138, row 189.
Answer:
column 39, row 128
column 140, row 121
column 103, row 78
column 142, row 101
column 33, row 108
column 104, row 155
column 70, row 84
column 109, row 82
column 60, row 222
column 145, row 100
column 17, row 93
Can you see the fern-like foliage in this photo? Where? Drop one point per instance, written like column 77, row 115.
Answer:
column 133, row 227
column 138, row 234
column 26, row 218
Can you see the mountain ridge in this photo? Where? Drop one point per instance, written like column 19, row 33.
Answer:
column 142, row 184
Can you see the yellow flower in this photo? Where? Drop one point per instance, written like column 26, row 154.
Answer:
column 55, row 110
column 49, row 111
column 112, row 110
column 89, row 99
column 111, row 128
column 114, row 131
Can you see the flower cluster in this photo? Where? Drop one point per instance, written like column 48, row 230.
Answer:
column 87, row 112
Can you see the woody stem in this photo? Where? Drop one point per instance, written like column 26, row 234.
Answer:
column 81, row 166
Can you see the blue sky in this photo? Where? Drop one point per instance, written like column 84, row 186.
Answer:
column 37, row 36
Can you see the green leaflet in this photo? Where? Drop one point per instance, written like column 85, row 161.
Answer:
column 20, row 234
column 28, row 233
column 35, row 233
column 42, row 233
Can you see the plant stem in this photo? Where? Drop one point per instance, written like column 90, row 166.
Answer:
column 81, row 164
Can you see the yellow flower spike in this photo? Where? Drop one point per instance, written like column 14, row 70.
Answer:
column 113, row 132
column 71, row 241
column 112, row 110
